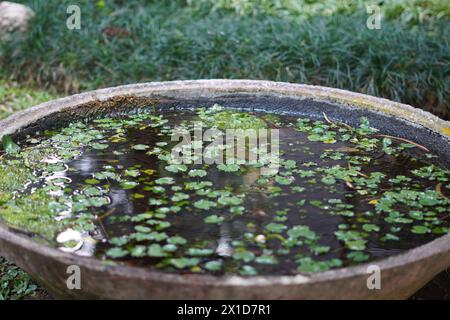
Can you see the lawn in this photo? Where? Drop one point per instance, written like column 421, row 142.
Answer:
column 14, row 97
column 315, row 42
column 303, row 41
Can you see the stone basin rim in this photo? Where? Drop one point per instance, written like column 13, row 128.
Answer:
column 212, row 89
column 216, row 87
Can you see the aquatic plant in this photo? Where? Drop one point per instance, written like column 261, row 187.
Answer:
column 112, row 181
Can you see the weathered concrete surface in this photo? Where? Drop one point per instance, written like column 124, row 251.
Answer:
column 216, row 88
column 401, row 275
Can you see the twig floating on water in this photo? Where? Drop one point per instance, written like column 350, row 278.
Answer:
column 404, row 140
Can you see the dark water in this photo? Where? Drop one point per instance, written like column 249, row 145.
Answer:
column 115, row 219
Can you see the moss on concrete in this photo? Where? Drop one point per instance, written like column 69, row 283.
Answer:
column 33, row 213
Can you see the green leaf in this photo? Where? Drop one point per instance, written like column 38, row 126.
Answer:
column 197, row 173
column 98, row 201
column 319, row 249
column 199, row 252
column 246, row 256
column 138, row 251
column 420, row 229
column 119, row 241
column 230, row 200
column 309, row 265
column 91, row 191
column 370, row 227
column 143, row 229
column 284, row 180
column 232, row 167
column 126, row 185
column 132, row 173
column 116, row 253
column 275, row 227
column 165, row 180
column 214, row 265
column 9, row 146
column 140, row 147
column 155, row 250
column 248, row 271
column 179, row 196
column 204, row 204
column 177, row 240
column 356, row 244
column 264, row 259
column 301, row 231
column 182, row 263
column 358, row 256
column 170, row 247
column 99, row 146
column 213, row 219
column 176, row 168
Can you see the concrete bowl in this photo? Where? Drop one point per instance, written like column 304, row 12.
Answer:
column 401, row 275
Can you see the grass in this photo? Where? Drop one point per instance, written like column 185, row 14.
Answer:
column 410, row 12
column 315, row 42
column 14, row 97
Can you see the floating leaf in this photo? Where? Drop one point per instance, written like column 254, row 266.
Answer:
column 420, row 229
column 197, row 173
column 301, row 231
column 116, row 253
column 177, row 240
column 214, row 265
column 213, row 219
column 132, row 173
column 99, row 146
column 356, row 244
column 140, row 147
column 248, row 271
column 182, row 263
column 178, row 196
column 176, row 168
column 165, row 180
column 199, row 252
column 358, row 256
column 138, row 251
column 232, row 167
column 266, row 260
column 204, row 204
column 370, row 227
column 128, row 184
column 275, row 227
column 246, row 256
column 155, row 250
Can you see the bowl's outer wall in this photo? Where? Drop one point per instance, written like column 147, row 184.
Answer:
column 118, row 282
column 401, row 275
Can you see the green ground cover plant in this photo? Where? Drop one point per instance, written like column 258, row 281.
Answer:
column 315, row 42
